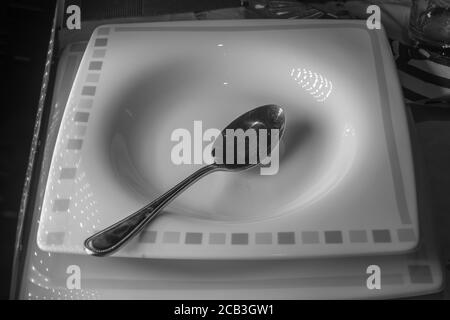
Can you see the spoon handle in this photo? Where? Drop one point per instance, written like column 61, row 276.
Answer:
column 114, row 237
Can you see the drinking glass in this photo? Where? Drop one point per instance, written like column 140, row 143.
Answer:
column 429, row 25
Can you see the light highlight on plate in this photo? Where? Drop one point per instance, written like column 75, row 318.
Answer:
column 316, row 84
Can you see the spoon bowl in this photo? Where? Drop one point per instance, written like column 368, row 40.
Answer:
column 249, row 138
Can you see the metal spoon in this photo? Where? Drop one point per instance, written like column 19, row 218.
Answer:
column 266, row 117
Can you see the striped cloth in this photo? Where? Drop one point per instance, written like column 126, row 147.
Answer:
column 422, row 76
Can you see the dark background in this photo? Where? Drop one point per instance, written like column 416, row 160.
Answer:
column 24, row 34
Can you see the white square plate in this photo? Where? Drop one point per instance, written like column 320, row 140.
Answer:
column 346, row 181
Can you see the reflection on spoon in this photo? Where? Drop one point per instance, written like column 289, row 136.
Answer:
column 263, row 119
